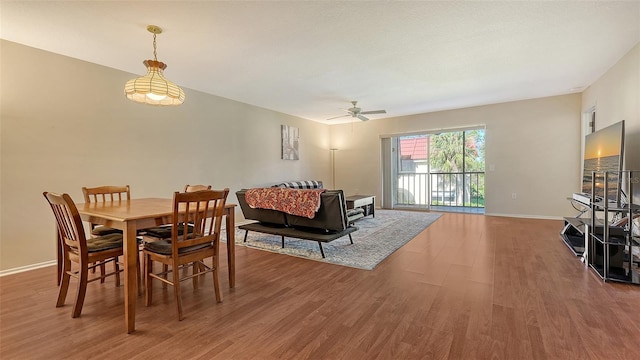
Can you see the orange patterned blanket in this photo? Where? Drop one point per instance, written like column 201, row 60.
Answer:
column 301, row 202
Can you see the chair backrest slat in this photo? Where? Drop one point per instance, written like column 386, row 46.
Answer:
column 192, row 188
column 204, row 210
column 106, row 193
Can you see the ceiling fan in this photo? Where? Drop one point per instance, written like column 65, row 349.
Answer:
column 356, row 112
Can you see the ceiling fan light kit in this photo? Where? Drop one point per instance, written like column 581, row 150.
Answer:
column 357, row 112
column 153, row 88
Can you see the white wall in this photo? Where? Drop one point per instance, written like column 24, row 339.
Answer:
column 534, row 146
column 616, row 96
column 66, row 123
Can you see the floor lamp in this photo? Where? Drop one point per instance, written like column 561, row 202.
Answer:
column 333, row 168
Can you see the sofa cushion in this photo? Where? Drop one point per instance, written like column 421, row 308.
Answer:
column 331, row 215
column 263, row 215
column 305, row 184
column 301, row 202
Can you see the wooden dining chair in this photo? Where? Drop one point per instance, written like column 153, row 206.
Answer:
column 105, row 194
column 76, row 248
column 164, row 231
column 204, row 209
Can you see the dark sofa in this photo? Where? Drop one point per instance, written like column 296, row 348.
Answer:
column 329, row 223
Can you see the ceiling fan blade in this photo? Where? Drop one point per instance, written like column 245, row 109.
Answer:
column 374, row 112
column 337, row 117
column 363, row 118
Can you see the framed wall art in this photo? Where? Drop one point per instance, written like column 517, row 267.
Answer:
column 290, row 142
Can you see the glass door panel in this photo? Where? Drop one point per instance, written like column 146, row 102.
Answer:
column 443, row 170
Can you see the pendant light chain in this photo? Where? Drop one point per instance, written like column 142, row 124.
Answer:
column 155, row 54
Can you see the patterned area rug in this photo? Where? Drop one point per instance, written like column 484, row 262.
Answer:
column 375, row 239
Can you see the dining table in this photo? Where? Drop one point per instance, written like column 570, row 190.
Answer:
column 136, row 214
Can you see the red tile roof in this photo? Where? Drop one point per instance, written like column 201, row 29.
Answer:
column 414, row 148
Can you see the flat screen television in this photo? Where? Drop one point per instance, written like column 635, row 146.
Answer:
column 604, row 151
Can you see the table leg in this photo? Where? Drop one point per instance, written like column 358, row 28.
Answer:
column 130, row 276
column 231, row 246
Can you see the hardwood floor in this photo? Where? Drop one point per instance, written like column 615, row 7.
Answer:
column 468, row 287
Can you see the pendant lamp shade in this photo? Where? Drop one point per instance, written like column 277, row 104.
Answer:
column 153, row 88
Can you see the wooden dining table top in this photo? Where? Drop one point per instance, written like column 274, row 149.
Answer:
column 134, row 209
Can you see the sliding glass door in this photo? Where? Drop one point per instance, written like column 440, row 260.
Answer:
column 444, row 170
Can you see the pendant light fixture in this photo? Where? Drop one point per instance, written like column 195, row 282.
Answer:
column 154, row 88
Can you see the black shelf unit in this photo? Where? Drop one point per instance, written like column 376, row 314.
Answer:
column 613, row 251
column 574, row 233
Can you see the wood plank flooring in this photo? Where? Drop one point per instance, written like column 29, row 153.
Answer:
column 468, row 287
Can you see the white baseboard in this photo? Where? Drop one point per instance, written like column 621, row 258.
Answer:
column 27, row 268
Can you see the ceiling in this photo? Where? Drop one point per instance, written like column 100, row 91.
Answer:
column 310, row 58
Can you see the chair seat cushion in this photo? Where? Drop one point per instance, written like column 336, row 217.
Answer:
column 164, row 232
column 106, row 242
column 164, row 247
column 104, row 230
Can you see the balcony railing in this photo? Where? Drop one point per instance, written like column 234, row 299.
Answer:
column 441, row 189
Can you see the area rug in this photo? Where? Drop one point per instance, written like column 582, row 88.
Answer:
column 375, row 239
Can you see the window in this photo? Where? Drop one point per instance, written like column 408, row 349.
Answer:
column 443, row 169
